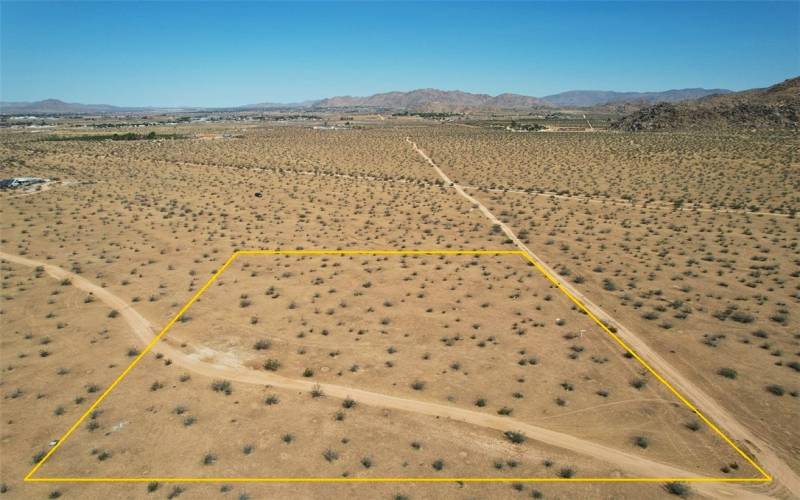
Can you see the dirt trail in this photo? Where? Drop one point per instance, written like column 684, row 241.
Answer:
column 231, row 370
column 765, row 455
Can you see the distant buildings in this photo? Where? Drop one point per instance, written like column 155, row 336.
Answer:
column 17, row 182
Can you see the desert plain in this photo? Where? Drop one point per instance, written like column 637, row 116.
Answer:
column 450, row 368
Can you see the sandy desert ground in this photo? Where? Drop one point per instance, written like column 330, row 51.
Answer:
column 423, row 366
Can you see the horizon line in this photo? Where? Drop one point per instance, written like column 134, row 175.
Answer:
column 297, row 102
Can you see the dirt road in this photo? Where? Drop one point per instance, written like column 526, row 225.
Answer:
column 697, row 398
column 230, row 370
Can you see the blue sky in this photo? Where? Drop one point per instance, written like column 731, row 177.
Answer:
column 220, row 54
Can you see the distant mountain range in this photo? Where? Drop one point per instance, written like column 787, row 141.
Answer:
column 432, row 100
column 56, row 107
column 444, row 100
column 415, row 100
column 775, row 107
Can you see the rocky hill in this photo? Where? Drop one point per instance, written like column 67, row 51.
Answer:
column 589, row 98
column 775, row 107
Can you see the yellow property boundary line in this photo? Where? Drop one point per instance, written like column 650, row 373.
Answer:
column 29, row 477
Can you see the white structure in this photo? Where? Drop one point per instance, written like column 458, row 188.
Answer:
column 16, row 182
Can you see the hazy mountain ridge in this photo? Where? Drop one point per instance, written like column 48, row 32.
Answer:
column 58, row 107
column 55, row 106
column 428, row 99
column 775, row 107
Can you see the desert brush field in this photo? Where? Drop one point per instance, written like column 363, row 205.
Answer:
column 675, row 279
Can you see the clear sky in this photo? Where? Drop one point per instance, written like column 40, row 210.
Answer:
column 230, row 53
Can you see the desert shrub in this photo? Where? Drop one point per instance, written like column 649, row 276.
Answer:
column 515, row 437
column 776, row 389
column 209, row 459
column 566, row 473
column 316, row 391
column 742, row 317
column 272, row 399
column 308, row 372
column 152, row 486
column 222, row 386
column 693, row 425
column 609, row 285
column 272, row 365
column 480, row 402
column 418, row 385
column 438, row 464
column 330, row 455
column 366, row 462
column 678, row 489
column 641, row 442
column 779, row 318
column 638, row 383
column 348, row 403
column 262, row 345
column 176, row 492
column 727, row 373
